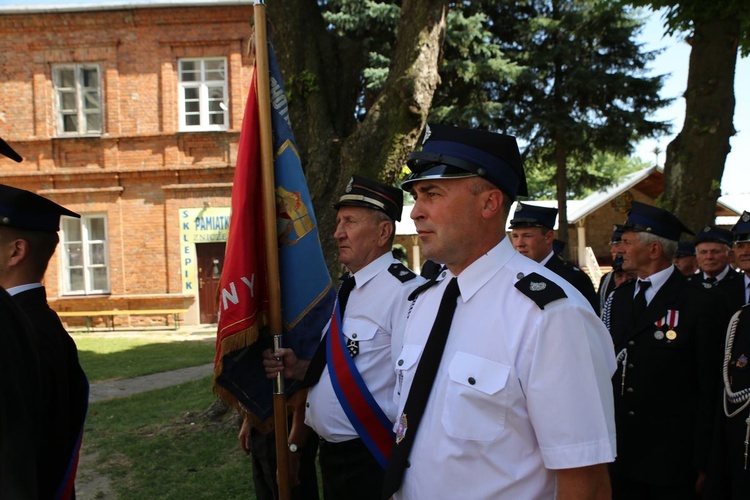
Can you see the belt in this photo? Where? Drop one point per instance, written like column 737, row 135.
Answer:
column 343, row 446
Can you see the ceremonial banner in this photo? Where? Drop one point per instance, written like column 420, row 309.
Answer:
column 307, row 295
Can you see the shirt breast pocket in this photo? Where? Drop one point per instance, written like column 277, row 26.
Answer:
column 405, row 363
column 364, row 332
column 476, row 398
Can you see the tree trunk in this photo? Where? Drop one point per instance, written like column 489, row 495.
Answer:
column 322, row 74
column 695, row 158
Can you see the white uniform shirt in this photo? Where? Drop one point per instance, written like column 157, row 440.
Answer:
column 520, row 390
column 376, row 313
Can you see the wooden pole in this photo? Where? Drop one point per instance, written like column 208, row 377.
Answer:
column 272, row 251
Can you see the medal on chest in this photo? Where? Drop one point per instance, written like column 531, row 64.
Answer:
column 668, row 323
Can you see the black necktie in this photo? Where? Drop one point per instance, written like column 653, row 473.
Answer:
column 710, row 279
column 318, row 361
column 639, row 303
column 420, row 389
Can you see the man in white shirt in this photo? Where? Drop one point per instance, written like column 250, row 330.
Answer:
column 520, row 406
column 350, row 403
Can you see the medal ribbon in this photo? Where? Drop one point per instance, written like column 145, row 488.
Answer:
column 673, row 317
column 368, row 419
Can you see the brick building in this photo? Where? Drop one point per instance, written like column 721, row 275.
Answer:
column 129, row 113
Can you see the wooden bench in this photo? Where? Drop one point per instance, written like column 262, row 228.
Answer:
column 110, row 315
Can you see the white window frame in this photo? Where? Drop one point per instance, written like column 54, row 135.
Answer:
column 203, row 86
column 87, row 266
column 81, row 112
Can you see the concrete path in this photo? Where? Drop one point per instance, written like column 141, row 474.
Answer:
column 101, row 391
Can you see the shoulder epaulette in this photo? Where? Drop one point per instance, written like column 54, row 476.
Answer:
column 540, row 289
column 401, row 272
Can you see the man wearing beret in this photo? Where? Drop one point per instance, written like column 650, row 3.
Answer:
column 667, row 336
column 713, row 252
column 20, row 415
column 729, row 475
column 350, row 402
column 28, row 238
column 533, row 235
column 503, row 378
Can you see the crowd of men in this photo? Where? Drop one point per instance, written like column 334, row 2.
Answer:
column 503, row 374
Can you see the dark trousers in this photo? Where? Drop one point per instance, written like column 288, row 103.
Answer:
column 263, row 451
column 624, row 488
column 350, row 471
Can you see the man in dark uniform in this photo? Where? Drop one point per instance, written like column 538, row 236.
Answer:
column 20, row 416
column 713, row 249
column 532, row 235
column 729, row 475
column 28, row 238
column 684, row 258
column 668, row 345
column 608, row 282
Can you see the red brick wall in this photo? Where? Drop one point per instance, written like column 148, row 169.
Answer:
column 141, row 170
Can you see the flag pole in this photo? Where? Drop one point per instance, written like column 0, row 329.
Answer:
column 272, row 252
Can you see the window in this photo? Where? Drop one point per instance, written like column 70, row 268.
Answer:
column 84, row 244
column 203, row 94
column 78, row 89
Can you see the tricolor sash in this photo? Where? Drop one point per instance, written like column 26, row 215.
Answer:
column 368, row 419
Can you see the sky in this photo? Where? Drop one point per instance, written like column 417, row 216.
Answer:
column 672, row 62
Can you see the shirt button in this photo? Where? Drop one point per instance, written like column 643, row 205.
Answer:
column 354, row 335
column 630, row 365
column 400, row 362
column 519, row 276
column 629, row 389
column 408, row 464
column 472, row 381
column 631, row 413
column 307, row 405
column 632, row 342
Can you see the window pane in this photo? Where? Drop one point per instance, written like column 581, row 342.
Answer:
column 71, row 229
column 193, row 120
column 192, row 107
column 96, row 228
column 215, row 106
column 192, row 93
column 68, row 101
column 90, row 77
column 216, row 118
column 66, row 77
column 70, row 123
column 99, row 279
column 76, row 280
column 96, row 251
column 215, row 70
column 75, row 254
column 91, row 100
column 93, row 122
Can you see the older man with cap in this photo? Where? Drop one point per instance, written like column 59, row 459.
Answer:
column 532, row 234
column 350, row 403
column 667, row 334
column 28, row 238
column 608, row 282
column 713, row 252
column 503, row 379
column 729, row 472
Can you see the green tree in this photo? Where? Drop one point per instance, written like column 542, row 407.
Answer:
column 695, row 160
column 582, row 89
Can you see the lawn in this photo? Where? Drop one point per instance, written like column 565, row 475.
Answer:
column 111, row 357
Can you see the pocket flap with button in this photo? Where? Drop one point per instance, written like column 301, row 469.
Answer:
column 360, row 330
column 478, row 373
column 409, row 356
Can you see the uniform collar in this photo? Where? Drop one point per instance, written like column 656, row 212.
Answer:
column 372, row 269
column 15, row 290
column 547, row 258
column 479, row 272
column 719, row 276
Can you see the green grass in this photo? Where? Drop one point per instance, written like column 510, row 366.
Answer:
column 105, row 358
column 154, row 445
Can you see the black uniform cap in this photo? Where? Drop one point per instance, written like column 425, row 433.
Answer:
column 453, row 152
column 714, row 234
column 644, row 218
column 741, row 230
column 533, row 216
column 362, row 192
column 685, row 248
column 26, row 210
